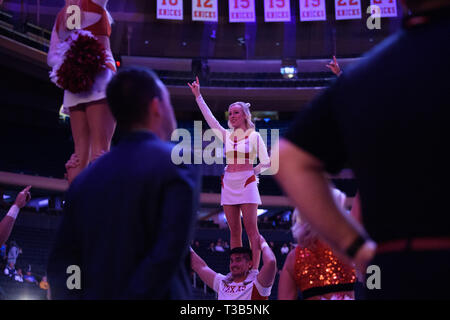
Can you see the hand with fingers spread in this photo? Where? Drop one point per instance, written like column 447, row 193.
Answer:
column 195, row 87
column 334, row 67
column 23, row 197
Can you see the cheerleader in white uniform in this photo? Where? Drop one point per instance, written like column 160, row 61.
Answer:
column 91, row 120
column 239, row 183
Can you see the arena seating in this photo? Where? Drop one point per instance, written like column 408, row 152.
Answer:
column 36, row 245
column 26, row 33
column 255, row 80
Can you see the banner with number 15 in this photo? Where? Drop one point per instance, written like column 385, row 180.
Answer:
column 277, row 10
column 242, row 10
column 313, row 10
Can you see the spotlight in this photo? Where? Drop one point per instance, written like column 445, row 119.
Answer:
column 288, row 72
column 260, row 212
column 289, row 68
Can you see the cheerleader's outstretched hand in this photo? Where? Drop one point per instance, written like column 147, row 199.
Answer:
column 334, row 67
column 195, row 87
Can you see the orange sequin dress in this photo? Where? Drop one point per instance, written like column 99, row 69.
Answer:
column 317, row 271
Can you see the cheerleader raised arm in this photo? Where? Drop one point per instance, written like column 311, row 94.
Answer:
column 207, row 114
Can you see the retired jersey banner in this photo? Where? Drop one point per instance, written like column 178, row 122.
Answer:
column 277, row 10
column 242, row 10
column 313, row 10
column 388, row 8
column 205, row 10
column 169, row 9
column 348, row 9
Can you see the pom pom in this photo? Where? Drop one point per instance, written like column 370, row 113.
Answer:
column 84, row 58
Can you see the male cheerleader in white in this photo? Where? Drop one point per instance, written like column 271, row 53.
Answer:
column 242, row 283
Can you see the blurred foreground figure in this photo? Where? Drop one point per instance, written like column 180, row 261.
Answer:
column 129, row 217
column 312, row 268
column 385, row 118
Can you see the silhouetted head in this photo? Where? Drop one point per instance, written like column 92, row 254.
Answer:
column 139, row 100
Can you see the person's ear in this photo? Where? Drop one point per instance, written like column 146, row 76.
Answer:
column 155, row 108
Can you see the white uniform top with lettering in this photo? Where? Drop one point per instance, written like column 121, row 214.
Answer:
column 250, row 289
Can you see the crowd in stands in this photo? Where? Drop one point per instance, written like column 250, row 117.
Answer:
column 9, row 253
column 264, row 223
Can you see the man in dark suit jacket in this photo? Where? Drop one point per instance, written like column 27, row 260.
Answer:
column 129, row 217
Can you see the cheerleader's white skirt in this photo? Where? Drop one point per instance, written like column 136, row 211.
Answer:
column 98, row 92
column 239, row 188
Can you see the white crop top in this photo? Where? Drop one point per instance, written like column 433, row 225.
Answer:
column 237, row 150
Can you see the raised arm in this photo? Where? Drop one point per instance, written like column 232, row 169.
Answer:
column 303, row 179
column 207, row 114
column 7, row 223
column 201, row 268
column 268, row 271
column 356, row 209
column 334, row 67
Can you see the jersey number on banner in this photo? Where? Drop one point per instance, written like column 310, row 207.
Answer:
column 388, row 8
column 277, row 11
column 238, row 4
column 314, row 3
column 278, row 3
column 242, row 10
column 170, row 9
column 312, row 10
column 343, row 3
column 206, row 4
column 204, row 10
column 348, row 9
